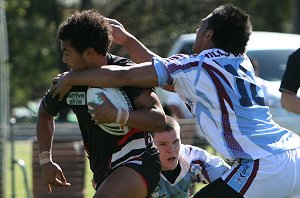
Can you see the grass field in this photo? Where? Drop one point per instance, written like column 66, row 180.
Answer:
column 23, row 150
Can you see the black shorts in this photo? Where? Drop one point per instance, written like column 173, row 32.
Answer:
column 148, row 166
column 149, row 169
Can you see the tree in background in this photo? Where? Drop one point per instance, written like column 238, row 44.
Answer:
column 35, row 55
column 269, row 15
column 296, row 15
column 33, row 50
column 158, row 23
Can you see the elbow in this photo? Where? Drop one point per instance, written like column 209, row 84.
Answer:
column 287, row 101
column 283, row 102
column 160, row 123
column 162, row 126
column 43, row 117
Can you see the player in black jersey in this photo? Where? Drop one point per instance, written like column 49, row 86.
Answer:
column 115, row 161
column 290, row 84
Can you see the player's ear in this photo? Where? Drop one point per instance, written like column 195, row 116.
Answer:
column 89, row 52
column 208, row 34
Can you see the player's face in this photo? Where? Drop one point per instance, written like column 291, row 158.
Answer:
column 168, row 144
column 203, row 39
column 75, row 60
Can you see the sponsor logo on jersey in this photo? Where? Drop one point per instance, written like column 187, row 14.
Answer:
column 242, row 176
column 76, row 98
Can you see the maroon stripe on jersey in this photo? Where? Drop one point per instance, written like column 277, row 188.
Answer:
column 204, row 171
column 173, row 67
column 251, row 177
column 127, row 135
column 232, row 173
column 223, row 96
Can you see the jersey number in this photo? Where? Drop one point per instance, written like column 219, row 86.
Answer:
column 246, row 100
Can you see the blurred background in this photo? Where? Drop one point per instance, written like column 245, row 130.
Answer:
column 30, row 53
column 34, row 53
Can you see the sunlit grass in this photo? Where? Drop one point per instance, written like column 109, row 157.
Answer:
column 22, row 151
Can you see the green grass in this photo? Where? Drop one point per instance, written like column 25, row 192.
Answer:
column 23, row 150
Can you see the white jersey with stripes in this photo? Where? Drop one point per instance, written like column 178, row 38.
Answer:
column 227, row 101
column 197, row 165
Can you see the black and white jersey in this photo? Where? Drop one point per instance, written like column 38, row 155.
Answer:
column 105, row 151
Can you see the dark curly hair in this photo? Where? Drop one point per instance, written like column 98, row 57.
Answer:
column 87, row 29
column 232, row 28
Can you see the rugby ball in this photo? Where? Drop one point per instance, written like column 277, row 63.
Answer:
column 118, row 98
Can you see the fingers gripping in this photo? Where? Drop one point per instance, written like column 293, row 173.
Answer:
column 102, row 112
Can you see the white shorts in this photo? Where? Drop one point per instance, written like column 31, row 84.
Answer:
column 276, row 176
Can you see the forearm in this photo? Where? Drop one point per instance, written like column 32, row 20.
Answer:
column 96, row 77
column 138, row 52
column 141, row 75
column 44, row 130
column 290, row 102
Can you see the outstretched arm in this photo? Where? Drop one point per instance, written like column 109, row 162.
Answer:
column 140, row 75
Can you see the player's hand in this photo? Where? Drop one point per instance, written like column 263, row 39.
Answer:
column 103, row 113
column 58, row 76
column 120, row 35
column 53, row 176
column 59, row 86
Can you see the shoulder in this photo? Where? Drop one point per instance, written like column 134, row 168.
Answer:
column 196, row 154
column 296, row 54
column 176, row 59
column 193, row 152
column 294, row 59
column 118, row 60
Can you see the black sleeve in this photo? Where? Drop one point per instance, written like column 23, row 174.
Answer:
column 118, row 60
column 52, row 105
column 291, row 78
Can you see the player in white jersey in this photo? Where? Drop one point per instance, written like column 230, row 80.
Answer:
column 219, row 85
column 183, row 165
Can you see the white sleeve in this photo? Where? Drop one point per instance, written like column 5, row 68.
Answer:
column 212, row 166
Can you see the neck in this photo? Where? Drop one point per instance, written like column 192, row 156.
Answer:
column 98, row 61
